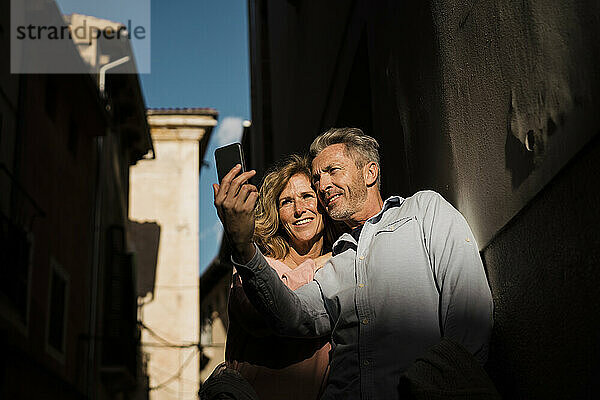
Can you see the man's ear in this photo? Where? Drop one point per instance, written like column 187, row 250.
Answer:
column 371, row 173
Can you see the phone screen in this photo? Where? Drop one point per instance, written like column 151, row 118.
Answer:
column 227, row 157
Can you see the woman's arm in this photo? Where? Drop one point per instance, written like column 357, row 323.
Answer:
column 242, row 312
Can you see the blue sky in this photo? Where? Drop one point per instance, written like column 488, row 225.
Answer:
column 199, row 58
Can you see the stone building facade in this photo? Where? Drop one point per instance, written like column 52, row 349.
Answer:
column 164, row 192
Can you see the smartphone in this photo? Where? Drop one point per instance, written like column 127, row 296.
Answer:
column 227, row 157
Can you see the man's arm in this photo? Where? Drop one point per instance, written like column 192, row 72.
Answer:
column 243, row 312
column 300, row 313
column 466, row 305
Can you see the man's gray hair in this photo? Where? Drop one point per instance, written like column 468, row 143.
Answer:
column 362, row 148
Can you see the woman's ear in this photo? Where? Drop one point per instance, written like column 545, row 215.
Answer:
column 371, row 173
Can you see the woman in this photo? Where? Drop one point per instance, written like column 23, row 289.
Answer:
column 295, row 235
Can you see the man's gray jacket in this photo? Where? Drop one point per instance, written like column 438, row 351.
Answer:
column 414, row 276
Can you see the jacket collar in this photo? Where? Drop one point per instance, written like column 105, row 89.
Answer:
column 346, row 241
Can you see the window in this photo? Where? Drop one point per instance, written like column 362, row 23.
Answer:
column 58, row 295
column 120, row 332
column 16, row 249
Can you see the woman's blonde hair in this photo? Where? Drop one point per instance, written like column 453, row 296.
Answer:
column 269, row 234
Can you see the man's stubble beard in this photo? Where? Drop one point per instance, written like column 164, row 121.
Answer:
column 354, row 203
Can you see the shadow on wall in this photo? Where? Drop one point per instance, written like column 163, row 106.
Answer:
column 546, row 338
column 145, row 238
column 524, row 152
column 547, row 70
column 519, row 161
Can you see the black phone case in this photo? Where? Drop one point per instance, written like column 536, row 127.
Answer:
column 227, row 157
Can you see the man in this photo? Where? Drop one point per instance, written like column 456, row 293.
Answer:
column 407, row 275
